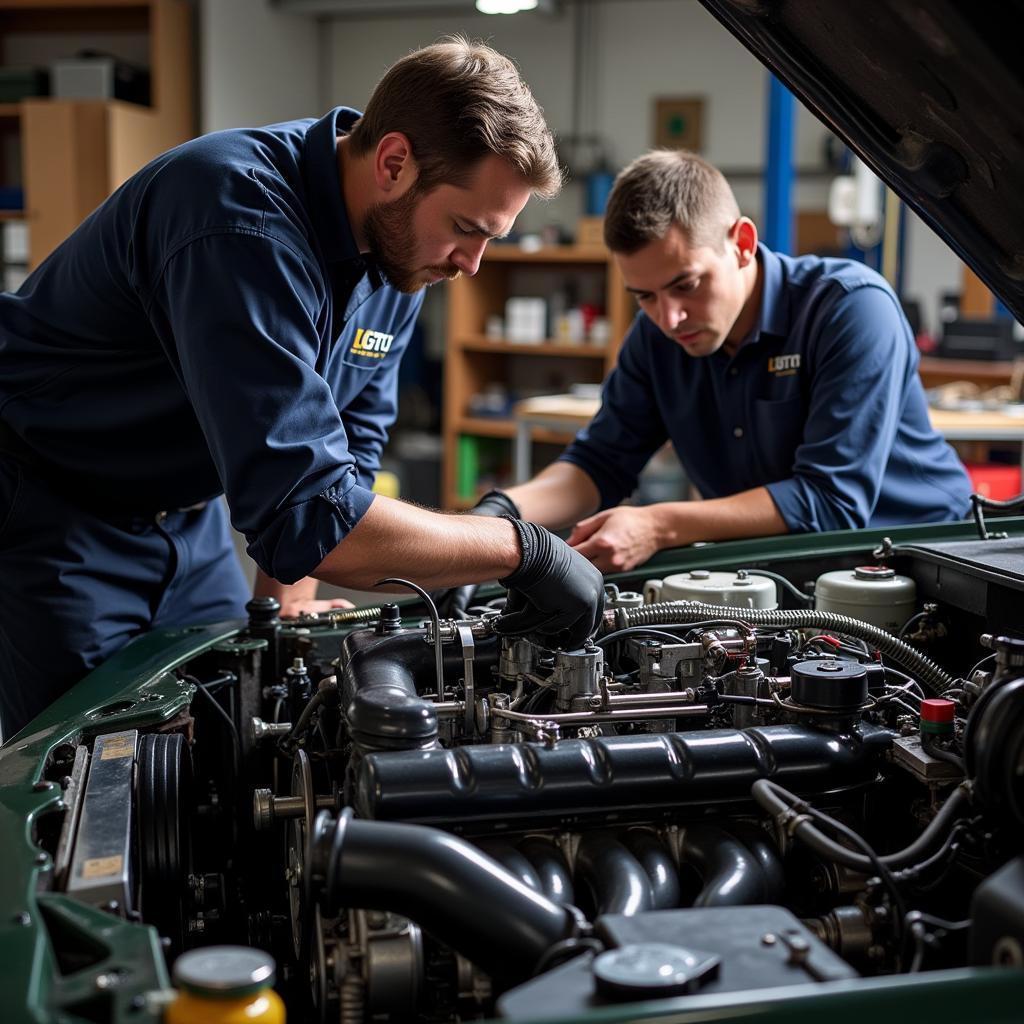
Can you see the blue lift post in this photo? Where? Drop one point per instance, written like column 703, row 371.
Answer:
column 778, row 168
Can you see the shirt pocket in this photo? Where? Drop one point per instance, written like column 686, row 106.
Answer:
column 778, row 431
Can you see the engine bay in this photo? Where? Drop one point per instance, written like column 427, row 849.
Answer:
column 781, row 771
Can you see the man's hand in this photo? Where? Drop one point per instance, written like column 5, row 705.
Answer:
column 618, row 539
column 555, row 597
column 453, row 602
column 296, row 598
column 312, row 606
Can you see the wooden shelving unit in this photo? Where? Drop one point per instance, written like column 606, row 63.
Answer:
column 474, row 361
column 74, row 153
column 935, row 371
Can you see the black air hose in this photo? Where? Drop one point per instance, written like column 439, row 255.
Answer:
column 617, row 880
column 459, row 894
column 994, row 747
column 516, row 863
column 767, row 855
column 784, row 807
column 549, row 864
column 669, row 612
column 659, row 865
column 732, row 873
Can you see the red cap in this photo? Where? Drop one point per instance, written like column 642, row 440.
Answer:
column 937, row 709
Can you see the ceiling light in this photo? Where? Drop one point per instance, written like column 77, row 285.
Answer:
column 505, row 6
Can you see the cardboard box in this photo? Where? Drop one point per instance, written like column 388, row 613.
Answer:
column 590, row 232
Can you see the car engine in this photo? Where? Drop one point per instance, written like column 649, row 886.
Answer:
column 792, row 771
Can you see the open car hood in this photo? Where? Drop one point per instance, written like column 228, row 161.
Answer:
column 929, row 94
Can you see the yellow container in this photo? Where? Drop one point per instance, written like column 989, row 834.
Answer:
column 225, row 985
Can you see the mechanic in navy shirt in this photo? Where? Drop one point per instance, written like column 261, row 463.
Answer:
column 231, row 321
column 788, row 387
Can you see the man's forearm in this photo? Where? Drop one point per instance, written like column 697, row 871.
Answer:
column 434, row 550
column 267, row 586
column 747, row 514
column 559, row 496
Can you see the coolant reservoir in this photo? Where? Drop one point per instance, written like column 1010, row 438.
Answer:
column 872, row 593
column 733, row 589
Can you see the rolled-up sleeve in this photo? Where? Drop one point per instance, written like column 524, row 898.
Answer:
column 244, row 318
column 861, row 361
column 627, row 430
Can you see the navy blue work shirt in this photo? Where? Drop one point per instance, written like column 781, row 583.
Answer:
column 212, row 327
column 821, row 404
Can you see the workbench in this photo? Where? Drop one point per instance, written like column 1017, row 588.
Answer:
column 569, row 412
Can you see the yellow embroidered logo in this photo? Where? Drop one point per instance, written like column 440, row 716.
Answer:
column 374, row 344
column 784, row 366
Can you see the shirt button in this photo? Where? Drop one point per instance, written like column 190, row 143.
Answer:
column 733, row 371
column 737, row 431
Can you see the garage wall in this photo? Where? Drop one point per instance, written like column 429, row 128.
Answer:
column 256, row 65
column 641, row 49
column 259, row 65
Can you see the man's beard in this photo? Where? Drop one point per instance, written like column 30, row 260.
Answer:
column 389, row 232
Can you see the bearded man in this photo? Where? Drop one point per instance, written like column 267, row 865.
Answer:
column 231, row 321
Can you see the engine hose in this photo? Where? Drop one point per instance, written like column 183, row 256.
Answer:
column 549, row 864
column 447, row 885
column 994, row 748
column 617, row 880
column 327, row 693
column 783, row 807
column 658, row 864
column 767, row 855
column 668, row 612
column 515, row 862
column 731, row 872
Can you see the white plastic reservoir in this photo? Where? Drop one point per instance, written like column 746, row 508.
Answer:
column 872, row 593
column 734, row 590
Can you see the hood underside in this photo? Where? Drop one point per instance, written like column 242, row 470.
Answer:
column 930, row 94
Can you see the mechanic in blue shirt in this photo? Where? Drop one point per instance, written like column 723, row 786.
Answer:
column 788, row 387
column 231, row 321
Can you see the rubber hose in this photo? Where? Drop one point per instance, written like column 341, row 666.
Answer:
column 659, row 865
column 775, row 801
column 465, row 898
column 515, row 862
column 549, row 864
column 767, row 856
column 614, row 876
column 731, row 872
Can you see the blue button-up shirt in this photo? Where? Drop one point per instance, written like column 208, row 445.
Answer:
column 821, row 404
column 212, row 327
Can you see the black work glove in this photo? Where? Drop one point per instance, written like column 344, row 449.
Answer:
column 453, row 602
column 556, row 596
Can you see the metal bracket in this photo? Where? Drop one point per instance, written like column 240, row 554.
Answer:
column 465, row 634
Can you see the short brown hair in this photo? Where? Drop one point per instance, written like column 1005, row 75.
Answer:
column 666, row 187
column 457, row 102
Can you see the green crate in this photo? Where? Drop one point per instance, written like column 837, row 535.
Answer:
column 18, row 83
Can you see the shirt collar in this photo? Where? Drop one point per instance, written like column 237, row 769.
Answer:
column 773, row 317
column 327, row 205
